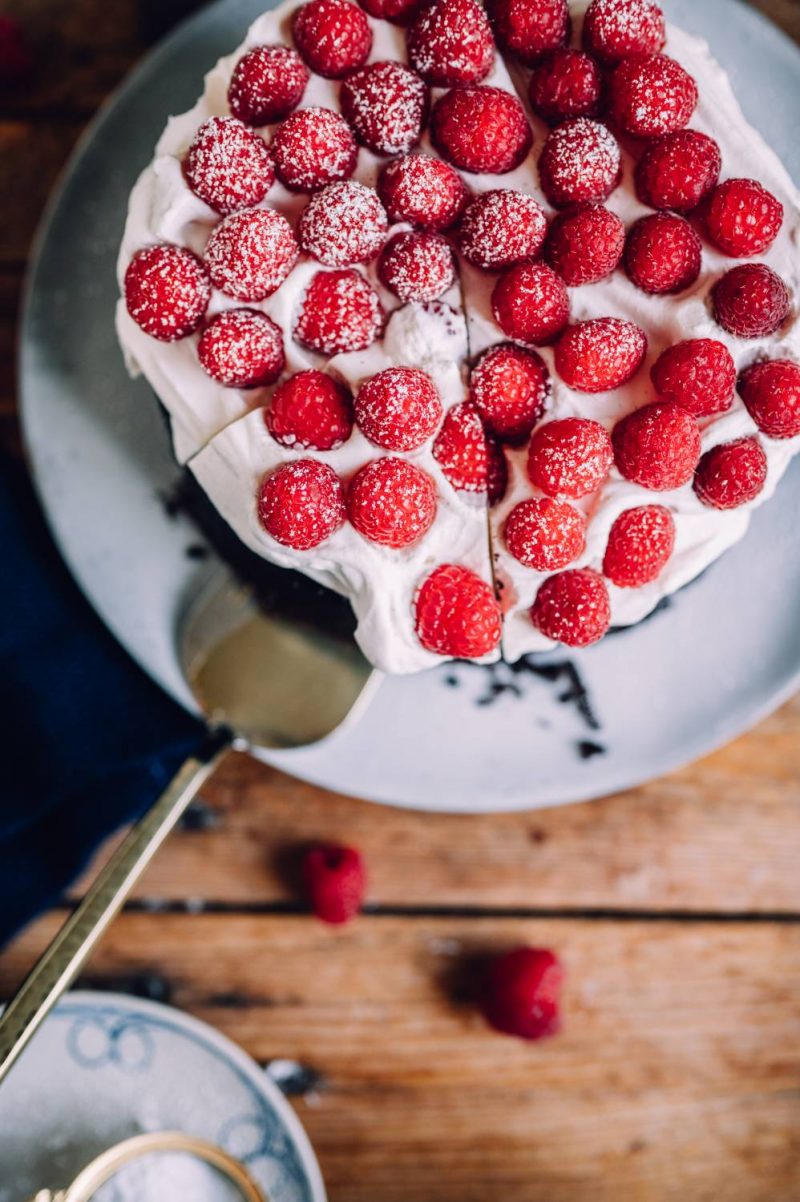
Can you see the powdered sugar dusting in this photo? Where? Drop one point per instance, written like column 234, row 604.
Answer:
column 502, row 227
column 418, row 267
column 343, row 224
column 312, row 148
column 581, row 161
column 387, row 105
column 339, row 312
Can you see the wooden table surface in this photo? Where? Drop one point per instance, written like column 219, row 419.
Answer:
column 675, row 907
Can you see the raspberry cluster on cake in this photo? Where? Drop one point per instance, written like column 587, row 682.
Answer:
column 451, row 312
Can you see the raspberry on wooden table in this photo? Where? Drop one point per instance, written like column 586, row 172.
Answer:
column 501, row 227
column 417, row 267
column 530, row 303
column 651, row 96
column 450, row 43
column 569, row 457
column 310, row 410
column 167, row 291
column 751, row 301
column 335, row 881
column 398, row 409
column 699, row 374
column 510, row 387
column 580, row 161
column 481, row 129
column 662, row 253
column 530, row 30
column 392, row 502
column 521, row 993
column 545, row 534
column 742, row 218
column 731, row 474
column 600, row 354
column 639, row 546
column 573, row 608
column 771, row 393
column 678, row 171
column 242, row 348
column 422, row 190
column 312, row 148
column 301, row 504
column 343, row 224
column 584, row 245
column 250, row 254
column 387, row 106
column 567, row 84
column 657, row 446
column 333, row 36
column 399, row 12
column 618, row 29
column 461, row 449
column 228, row 165
column 339, row 312
column 268, row 82
column 457, row 613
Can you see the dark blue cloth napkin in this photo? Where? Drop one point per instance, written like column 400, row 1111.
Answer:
column 88, row 741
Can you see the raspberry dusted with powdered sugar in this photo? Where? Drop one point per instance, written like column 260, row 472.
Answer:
column 301, row 504
column 771, row 393
column 312, row 148
column 242, row 348
column 567, row 84
column 657, row 446
column 510, row 387
column 228, row 165
column 333, row 36
column 399, row 12
column 481, row 129
column 530, row 303
column 392, row 502
column 312, row 411
column 580, row 162
column 573, row 608
column 335, row 880
column 167, row 291
column 423, row 191
column 742, row 218
column 651, row 96
column 467, row 456
column 343, row 224
column 530, row 30
column 569, row 457
column 339, row 312
column 731, row 474
column 600, row 354
column 585, row 245
column 678, row 170
column 387, row 106
column 639, row 546
column 500, row 228
column 545, row 534
column 267, row 84
column 751, row 301
column 618, row 29
column 662, row 253
column 250, row 254
column 699, row 374
column 417, row 267
column 450, row 43
column 457, row 613
column 398, row 409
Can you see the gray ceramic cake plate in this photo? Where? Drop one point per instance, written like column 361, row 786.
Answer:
column 724, row 654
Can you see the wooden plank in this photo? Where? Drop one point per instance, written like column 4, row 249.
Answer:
column 10, row 284
column 676, row 1077
column 31, row 159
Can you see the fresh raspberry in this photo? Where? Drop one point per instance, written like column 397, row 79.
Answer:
column 16, row 60
column 457, row 614
column 387, row 106
column 500, row 228
column 601, row 354
column 422, row 190
column 228, row 165
column 312, row 148
column 585, row 245
column 333, row 36
column 569, row 457
column 335, row 881
column 481, row 129
column 343, row 224
column 339, row 312
column 580, row 162
column 742, row 218
column 242, row 348
column 301, row 504
column 530, row 31
column 530, row 303
column 639, row 544
column 657, row 446
column 731, row 474
column 250, row 254
column 618, row 29
column 699, row 374
column 662, row 253
column 399, row 12
column 573, row 608
column 267, row 84
column 522, row 990
column 460, row 449
column 651, row 96
column 567, row 84
column 510, row 387
column 545, row 534
column 167, row 291
column 392, row 502
column 312, row 411
column 678, row 171
column 398, row 409
column 750, row 301
column 771, row 392
column 450, row 43
column 417, row 267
